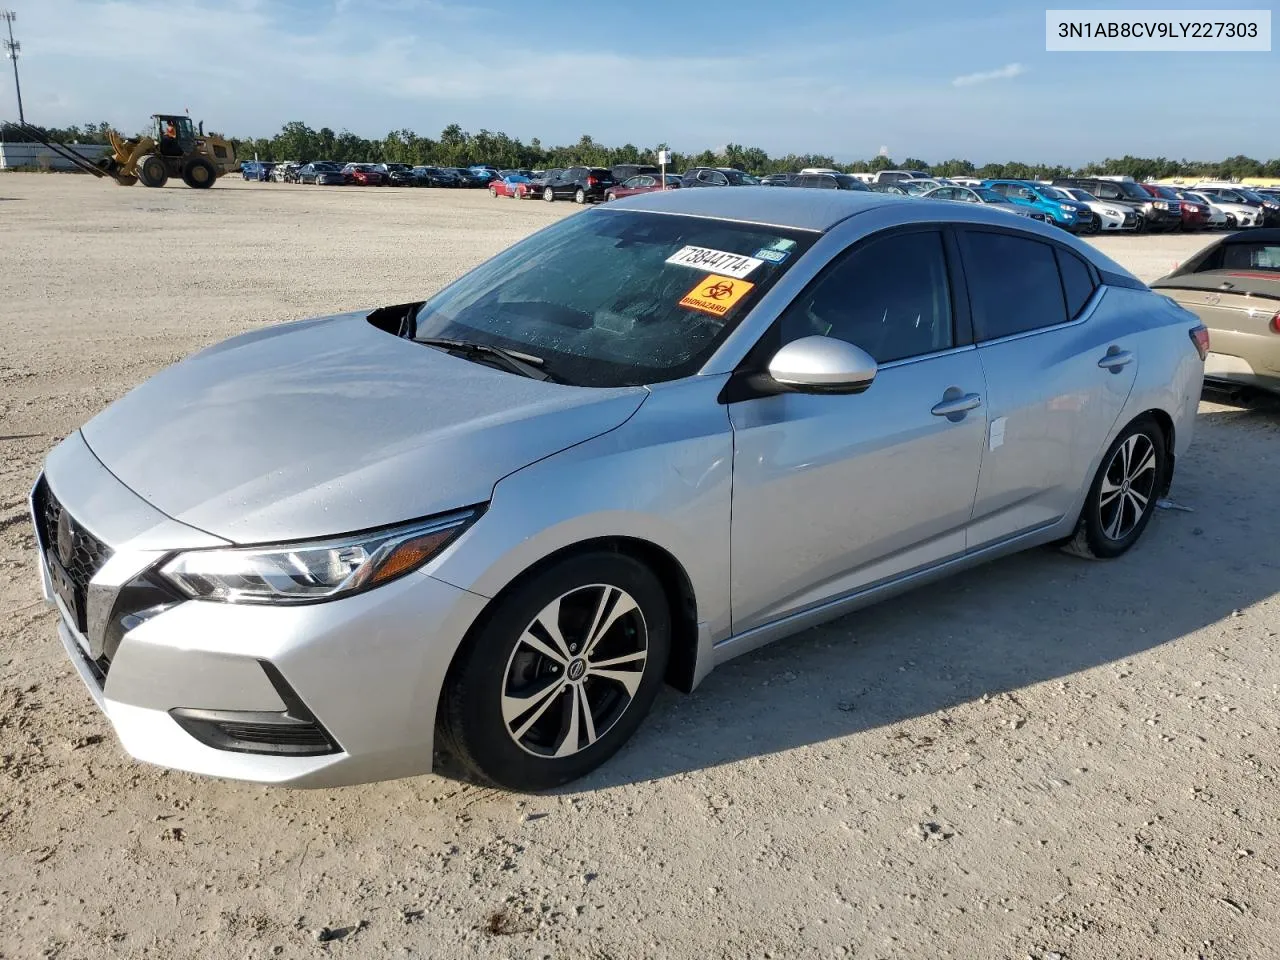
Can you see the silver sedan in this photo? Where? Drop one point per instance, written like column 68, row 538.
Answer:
column 645, row 440
column 998, row 201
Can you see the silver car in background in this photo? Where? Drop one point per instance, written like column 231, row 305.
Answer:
column 980, row 194
column 643, row 441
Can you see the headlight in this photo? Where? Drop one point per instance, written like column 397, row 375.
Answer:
column 1160, row 205
column 319, row 570
column 1111, row 213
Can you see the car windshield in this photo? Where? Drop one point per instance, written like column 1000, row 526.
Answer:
column 1053, row 193
column 1131, row 190
column 1250, row 195
column 850, row 183
column 737, row 177
column 614, row 297
column 990, row 196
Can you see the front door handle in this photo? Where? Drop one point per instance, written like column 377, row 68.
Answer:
column 956, row 406
column 1116, row 359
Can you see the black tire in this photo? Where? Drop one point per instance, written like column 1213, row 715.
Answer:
column 1140, row 225
column 1098, row 534
column 548, row 194
column 493, row 192
column 473, row 725
column 151, row 171
column 580, row 196
column 199, row 174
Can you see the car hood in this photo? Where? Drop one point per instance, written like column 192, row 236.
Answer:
column 329, row 426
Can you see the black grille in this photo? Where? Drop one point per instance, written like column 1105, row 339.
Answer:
column 75, row 549
column 293, row 732
column 87, row 552
column 245, row 732
column 302, row 735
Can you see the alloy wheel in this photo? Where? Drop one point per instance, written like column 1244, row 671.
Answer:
column 574, row 671
column 1127, row 486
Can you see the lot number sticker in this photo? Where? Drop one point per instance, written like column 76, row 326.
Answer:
column 733, row 265
column 716, row 295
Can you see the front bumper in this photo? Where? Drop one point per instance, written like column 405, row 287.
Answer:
column 367, row 669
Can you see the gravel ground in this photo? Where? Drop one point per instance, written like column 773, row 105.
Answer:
column 1040, row 758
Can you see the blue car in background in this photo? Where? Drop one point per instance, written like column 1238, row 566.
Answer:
column 1057, row 205
column 256, row 169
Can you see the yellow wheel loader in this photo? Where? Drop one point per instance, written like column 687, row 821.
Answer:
column 174, row 148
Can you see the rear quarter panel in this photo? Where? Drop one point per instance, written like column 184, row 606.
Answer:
column 1170, row 372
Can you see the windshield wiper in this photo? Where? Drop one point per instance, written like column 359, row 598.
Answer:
column 525, row 364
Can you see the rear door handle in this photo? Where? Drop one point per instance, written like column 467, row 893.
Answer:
column 1116, row 359
column 960, row 405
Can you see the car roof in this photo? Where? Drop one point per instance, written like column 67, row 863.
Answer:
column 817, row 210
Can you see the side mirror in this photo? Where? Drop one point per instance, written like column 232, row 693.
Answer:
column 823, row 365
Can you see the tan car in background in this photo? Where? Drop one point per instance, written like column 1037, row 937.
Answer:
column 1233, row 285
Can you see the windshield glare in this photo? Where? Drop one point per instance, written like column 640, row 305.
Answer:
column 990, row 196
column 596, row 299
column 1131, row 189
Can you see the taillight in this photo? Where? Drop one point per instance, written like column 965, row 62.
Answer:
column 591, row 181
column 1200, row 337
column 1275, row 322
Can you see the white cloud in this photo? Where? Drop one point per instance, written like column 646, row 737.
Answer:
column 1007, row 72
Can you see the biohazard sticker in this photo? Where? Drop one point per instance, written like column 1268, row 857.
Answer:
column 703, row 258
column 716, row 295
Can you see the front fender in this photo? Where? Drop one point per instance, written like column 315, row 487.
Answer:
column 664, row 477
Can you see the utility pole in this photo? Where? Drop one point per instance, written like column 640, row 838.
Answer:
column 12, row 47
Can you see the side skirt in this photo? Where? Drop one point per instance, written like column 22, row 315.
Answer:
column 734, row 646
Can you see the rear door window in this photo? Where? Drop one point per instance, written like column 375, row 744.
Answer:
column 1014, row 284
column 1077, row 281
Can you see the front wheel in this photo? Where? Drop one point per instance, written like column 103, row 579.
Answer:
column 151, row 171
column 1140, row 224
column 560, row 673
column 548, row 195
column 1123, row 494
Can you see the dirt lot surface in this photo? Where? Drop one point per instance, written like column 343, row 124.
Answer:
column 1040, row 758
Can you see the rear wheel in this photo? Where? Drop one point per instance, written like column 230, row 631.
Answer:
column 199, row 173
column 152, row 172
column 561, row 673
column 580, row 196
column 548, row 194
column 1123, row 495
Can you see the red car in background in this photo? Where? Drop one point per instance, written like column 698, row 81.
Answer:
column 513, row 185
column 1195, row 216
column 641, row 183
column 362, row 175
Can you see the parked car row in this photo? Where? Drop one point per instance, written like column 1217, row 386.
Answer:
column 1078, row 204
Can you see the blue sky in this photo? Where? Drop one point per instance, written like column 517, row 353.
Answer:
column 931, row 79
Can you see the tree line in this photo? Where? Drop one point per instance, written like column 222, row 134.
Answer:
column 456, row 147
